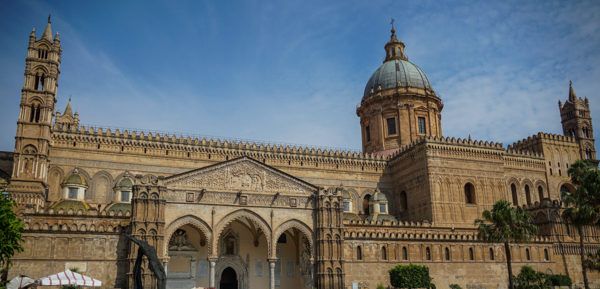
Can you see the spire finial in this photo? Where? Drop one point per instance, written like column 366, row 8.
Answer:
column 393, row 27
column 49, row 18
column 572, row 95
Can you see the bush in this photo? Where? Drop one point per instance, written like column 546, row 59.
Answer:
column 530, row 279
column 559, row 280
column 410, row 276
column 455, row 286
column 380, row 286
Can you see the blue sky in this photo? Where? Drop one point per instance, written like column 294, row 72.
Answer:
column 294, row 71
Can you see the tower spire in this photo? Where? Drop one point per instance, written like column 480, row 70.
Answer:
column 572, row 95
column 48, row 31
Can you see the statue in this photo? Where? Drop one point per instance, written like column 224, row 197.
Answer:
column 154, row 264
column 179, row 242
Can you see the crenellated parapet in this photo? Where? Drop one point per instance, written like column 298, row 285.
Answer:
column 400, row 230
column 75, row 222
column 533, row 143
column 198, row 147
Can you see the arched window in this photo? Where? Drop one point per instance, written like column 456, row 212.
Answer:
column 469, row 193
column 471, row 254
column 541, row 192
column 403, row 201
column 427, row 253
column 546, row 255
column 528, row 195
column 40, row 79
column 515, row 197
column 447, row 254
column 43, row 53
column 527, row 254
column 404, row 253
column 492, row 257
column 359, row 255
column 123, row 190
column 366, row 205
column 384, row 253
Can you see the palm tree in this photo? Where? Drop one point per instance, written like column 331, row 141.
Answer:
column 11, row 228
column 506, row 224
column 581, row 205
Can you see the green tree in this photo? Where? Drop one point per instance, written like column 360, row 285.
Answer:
column 531, row 279
column 582, row 204
column 410, row 276
column 11, row 228
column 506, row 224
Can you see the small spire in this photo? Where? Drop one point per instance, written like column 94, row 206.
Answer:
column 393, row 31
column 48, row 31
column 49, row 18
column 394, row 48
column 68, row 109
column 572, row 95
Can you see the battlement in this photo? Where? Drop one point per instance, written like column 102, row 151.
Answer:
column 530, row 140
column 196, row 143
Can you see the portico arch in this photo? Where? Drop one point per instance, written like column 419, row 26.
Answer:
column 238, row 215
column 188, row 220
column 293, row 224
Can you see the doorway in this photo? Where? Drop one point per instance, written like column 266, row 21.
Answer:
column 228, row 279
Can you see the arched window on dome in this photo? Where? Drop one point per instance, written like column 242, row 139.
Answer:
column 123, row 190
column 75, row 186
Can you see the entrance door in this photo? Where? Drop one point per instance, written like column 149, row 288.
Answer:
column 228, row 279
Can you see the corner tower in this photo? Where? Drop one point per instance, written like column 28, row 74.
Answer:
column 577, row 122
column 398, row 105
column 38, row 98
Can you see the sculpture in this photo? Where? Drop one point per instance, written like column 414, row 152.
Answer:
column 154, row 264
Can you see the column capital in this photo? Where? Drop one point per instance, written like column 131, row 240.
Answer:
column 212, row 259
column 272, row 260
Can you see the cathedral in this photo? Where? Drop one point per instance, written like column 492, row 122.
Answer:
column 234, row 214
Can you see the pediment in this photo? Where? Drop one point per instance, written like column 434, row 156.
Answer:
column 242, row 174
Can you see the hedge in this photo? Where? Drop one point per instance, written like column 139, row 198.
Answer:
column 410, row 276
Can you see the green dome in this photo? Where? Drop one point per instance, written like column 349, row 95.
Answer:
column 76, row 179
column 396, row 73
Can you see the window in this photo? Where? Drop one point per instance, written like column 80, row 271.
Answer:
column 382, row 208
column 492, row 257
column 39, row 82
column 528, row 195
column 391, row 126
column 346, row 205
column 422, row 128
column 527, row 254
column 368, row 133
column 384, row 253
column 125, row 196
column 546, row 255
column 515, row 197
column 469, row 193
column 73, row 192
column 43, row 54
column 427, row 253
column 471, row 254
column 403, row 201
column 359, row 255
column 366, row 202
column 541, row 192
column 447, row 254
column 404, row 253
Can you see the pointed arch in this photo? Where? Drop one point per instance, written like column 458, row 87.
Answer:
column 187, row 220
column 293, row 224
column 239, row 214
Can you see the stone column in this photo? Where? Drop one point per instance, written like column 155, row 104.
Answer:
column 272, row 263
column 211, row 273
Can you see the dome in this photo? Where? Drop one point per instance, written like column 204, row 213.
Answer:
column 396, row 73
column 76, row 179
column 379, row 197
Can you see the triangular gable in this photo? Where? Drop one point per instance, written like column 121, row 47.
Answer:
column 241, row 174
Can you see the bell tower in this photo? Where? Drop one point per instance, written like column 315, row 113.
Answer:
column 38, row 99
column 577, row 122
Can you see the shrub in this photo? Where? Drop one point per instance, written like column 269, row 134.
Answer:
column 559, row 280
column 530, row 279
column 410, row 276
column 380, row 286
column 455, row 286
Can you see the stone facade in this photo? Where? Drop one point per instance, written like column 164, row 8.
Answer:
column 231, row 214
